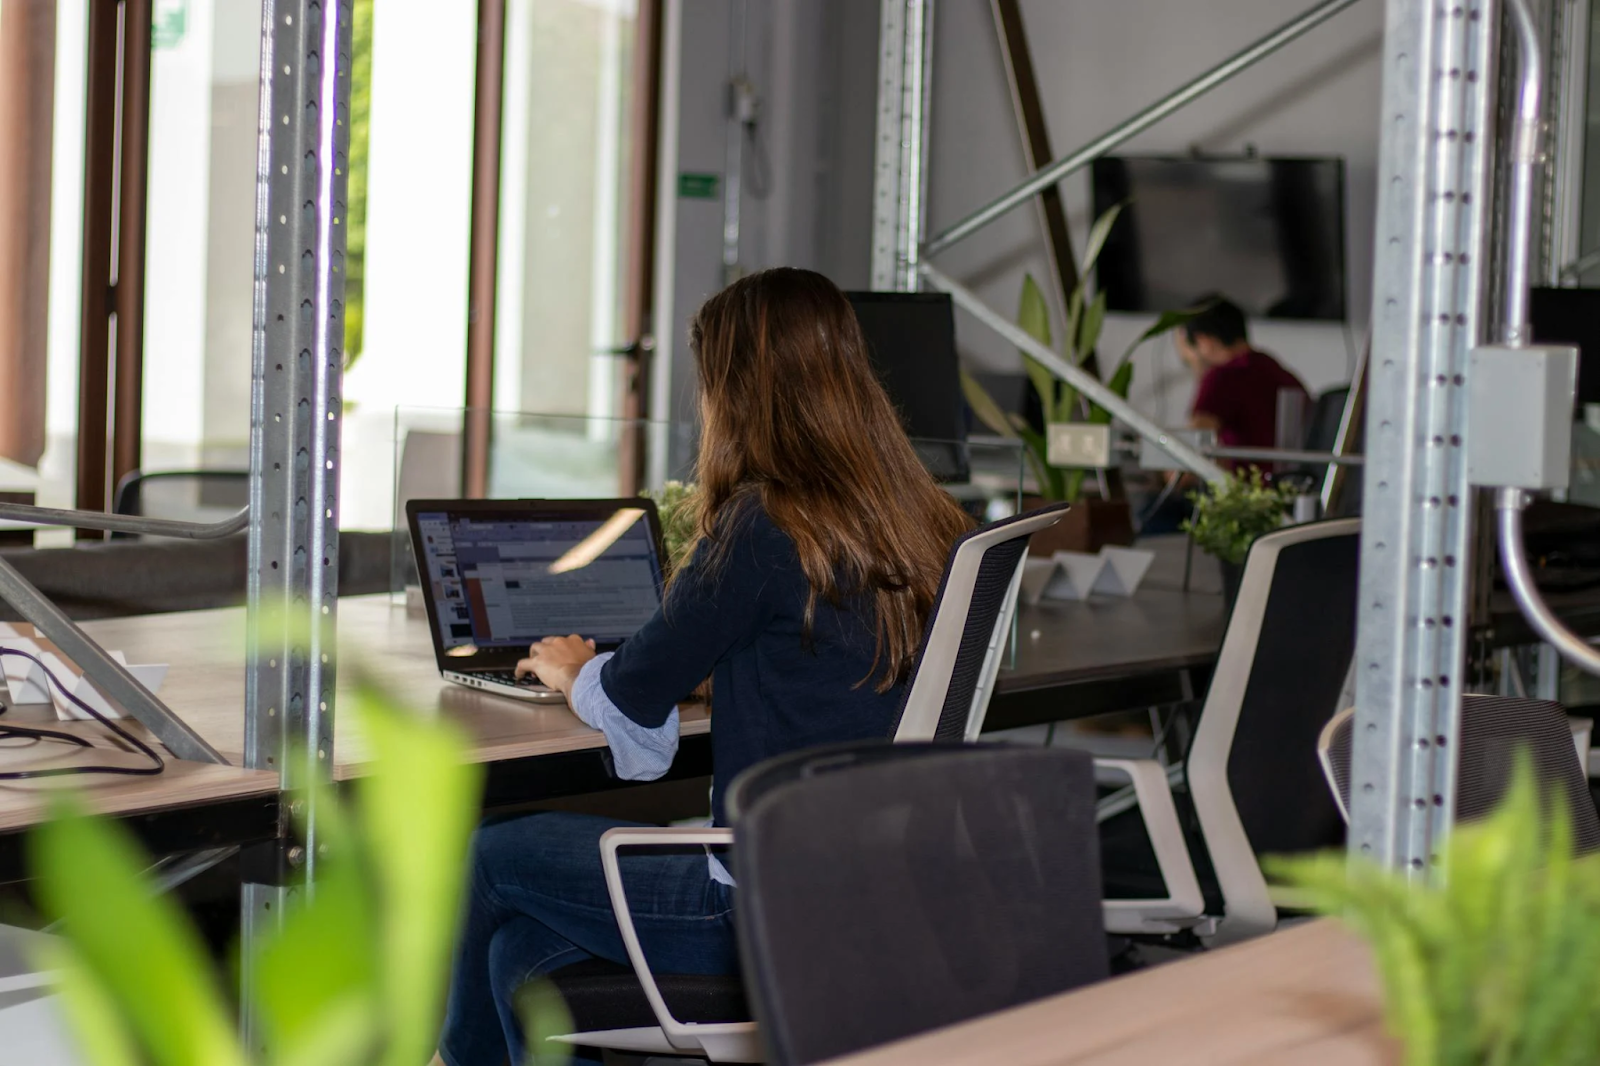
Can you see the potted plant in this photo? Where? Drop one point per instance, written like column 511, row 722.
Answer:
column 1091, row 523
column 1496, row 959
column 1229, row 516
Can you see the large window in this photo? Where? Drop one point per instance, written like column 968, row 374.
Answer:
column 566, row 151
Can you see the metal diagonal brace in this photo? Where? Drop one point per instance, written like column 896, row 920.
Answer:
column 1136, row 125
column 118, row 523
column 1077, row 377
column 108, row 675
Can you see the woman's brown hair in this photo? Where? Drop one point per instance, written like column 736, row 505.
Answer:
column 794, row 416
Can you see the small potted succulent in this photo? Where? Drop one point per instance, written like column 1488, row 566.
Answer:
column 1229, row 516
column 1092, row 523
column 1496, row 963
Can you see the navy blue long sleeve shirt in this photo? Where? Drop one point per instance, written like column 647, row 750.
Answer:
column 740, row 620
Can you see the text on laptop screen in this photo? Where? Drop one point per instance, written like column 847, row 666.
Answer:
column 503, row 581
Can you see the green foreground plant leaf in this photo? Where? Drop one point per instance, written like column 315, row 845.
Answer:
column 133, row 947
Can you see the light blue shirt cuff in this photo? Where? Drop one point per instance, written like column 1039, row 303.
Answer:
column 639, row 754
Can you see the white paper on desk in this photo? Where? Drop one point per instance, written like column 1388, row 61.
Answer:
column 149, row 675
column 1036, row 574
column 1125, row 570
column 24, row 678
column 1075, row 576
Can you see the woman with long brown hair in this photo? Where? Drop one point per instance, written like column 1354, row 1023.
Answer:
column 820, row 543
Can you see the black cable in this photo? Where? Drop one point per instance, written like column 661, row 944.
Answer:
column 39, row 734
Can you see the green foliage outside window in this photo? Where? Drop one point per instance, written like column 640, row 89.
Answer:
column 355, row 259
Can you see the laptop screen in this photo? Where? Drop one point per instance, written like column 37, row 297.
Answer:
column 509, row 579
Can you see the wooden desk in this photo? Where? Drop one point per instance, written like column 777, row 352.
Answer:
column 187, row 807
column 1307, row 996
column 536, row 751
column 1114, row 653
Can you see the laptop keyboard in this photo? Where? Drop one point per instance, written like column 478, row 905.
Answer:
column 509, row 677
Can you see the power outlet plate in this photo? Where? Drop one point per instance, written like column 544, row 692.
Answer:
column 1079, row 444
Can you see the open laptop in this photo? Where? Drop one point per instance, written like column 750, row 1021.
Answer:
column 500, row 575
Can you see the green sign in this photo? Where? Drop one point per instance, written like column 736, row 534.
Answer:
column 698, row 186
column 168, row 23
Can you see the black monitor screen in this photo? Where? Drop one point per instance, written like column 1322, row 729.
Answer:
column 1266, row 233
column 913, row 341
column 1571, row 316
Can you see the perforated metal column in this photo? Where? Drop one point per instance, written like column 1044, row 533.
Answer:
column 1433, row 211
column 905, row 70
column 296, row 408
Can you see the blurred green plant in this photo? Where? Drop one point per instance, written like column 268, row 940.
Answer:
column 1496, row 963
column 1060, row 401
column 1229, row 515
column 355, row 257
column 356, row 972
column 675, row 504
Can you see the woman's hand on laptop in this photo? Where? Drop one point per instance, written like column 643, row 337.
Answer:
column 556, row 661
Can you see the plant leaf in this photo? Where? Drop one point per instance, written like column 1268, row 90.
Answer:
column 1120, row 383
column 1165, row 323
column 319, row 974
column 1033, row 316
column 139, row 949
column 417, row 810
column 90, row 1009
column 1094, row 319
column 983, row 405
column 1098, row 234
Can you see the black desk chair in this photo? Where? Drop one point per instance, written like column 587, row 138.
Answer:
column 946, row 699
column 182, row 495
column 1492, row 730
column 1180, row 846
column 886, row 891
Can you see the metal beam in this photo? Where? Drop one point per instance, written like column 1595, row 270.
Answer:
column 1434, row 181
column 115, row 523
column 1086, row 383
column 109, row 676
column 296, row 407
column 899, row 209
column 1136, row 125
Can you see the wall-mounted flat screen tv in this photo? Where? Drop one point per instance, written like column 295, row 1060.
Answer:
column 1266, row 233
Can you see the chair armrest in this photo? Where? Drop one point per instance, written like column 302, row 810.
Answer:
column 678, row 1034
column 1183, row 903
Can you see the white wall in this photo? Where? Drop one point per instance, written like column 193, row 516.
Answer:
column 1098, row 61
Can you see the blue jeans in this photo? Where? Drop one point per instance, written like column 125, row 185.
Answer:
column 537, row 902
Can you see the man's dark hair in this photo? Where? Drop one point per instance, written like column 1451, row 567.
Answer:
column 1219, row 319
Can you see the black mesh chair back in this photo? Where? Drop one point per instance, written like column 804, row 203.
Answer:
column 1303, row 651
column 183, row 495
column 910, row 887
column 950, row 684
column 1492, row 730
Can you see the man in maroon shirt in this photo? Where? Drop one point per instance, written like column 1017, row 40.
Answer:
column 1239, row 386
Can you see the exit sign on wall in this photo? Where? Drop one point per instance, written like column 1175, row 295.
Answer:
column 698, row 186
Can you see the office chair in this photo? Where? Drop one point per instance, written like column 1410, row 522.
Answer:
column 1491, row 732
column 1179, row 847
column 946, row 698
column 886, row 890
column 184, row 495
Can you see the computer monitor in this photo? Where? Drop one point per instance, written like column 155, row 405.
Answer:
column 1571, row 316
column 912, row 337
